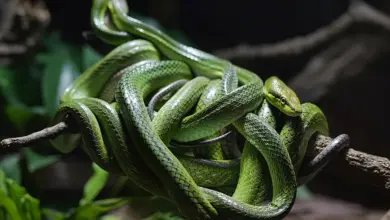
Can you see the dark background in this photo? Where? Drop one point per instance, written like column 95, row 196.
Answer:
column 357, row 106
column 213, row 24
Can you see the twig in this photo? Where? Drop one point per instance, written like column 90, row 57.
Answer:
column 386, row 216
column 371, row 169
column 345, row 58
column 357, row 13
column 47, row 133
column 290, row 47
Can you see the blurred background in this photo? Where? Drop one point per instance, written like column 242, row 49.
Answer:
column 42, row 50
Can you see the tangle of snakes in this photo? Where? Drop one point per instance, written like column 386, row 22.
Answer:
column 207, row 135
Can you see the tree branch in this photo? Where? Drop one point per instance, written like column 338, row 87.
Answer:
column 47, row 133
column 291, row 47
column 370, row 169
column 345, row 58
column 386, row 216
column 357, row 13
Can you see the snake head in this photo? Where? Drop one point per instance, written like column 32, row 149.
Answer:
column 282, row 97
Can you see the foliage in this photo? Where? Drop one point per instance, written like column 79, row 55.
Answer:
column 163, row 216
column 17, row 204
column 32, row 92
column 32, row 89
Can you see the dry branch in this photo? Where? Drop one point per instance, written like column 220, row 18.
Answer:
column 386, row 216
column 357, row 13
column 44, row 134
column 371, row 168
column 345, row 58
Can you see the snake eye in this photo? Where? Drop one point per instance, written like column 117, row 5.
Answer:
column 282, row 97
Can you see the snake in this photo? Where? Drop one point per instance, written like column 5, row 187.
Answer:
column 123, row 136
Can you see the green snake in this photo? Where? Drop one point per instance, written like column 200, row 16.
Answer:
column 120, row 134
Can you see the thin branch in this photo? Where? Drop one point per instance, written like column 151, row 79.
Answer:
column 291, row 47
column 370, row 169
column 364, row 13
column 386, row 216
column 358, row 13
column 47, row 133
column 345, row 58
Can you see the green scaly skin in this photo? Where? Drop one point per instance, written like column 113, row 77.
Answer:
column 211, row 120
column 297, row 132
column 132, row 89
column 104, row 139
column 150, row 139
column 166, row 123
column 266, row 140
column 211, row 94
column 108, row 32
column 90, row 83
column 255, row 187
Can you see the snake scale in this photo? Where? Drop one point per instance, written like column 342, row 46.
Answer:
column 204, row 96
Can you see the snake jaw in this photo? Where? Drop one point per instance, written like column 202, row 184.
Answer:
column 282, row 97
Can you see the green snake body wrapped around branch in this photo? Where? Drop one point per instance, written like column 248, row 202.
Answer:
column 107, row 104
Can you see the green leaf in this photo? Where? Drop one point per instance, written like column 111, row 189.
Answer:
column 163, row 216
column 97, row 208
column 16, row 193
column 9, row 206
column 89, row 57
column 110, row 217
column 3, row 186
column 15, row 201
column 31, row 207
column 28, row 206
column 95, row 184
column 59, row 73
column 53, row 215
column 11, row 167
column 36, row 161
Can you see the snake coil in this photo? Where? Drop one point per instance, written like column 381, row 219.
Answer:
column 193, row 96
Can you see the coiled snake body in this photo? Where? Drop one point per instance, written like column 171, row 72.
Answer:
column 107, row 103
